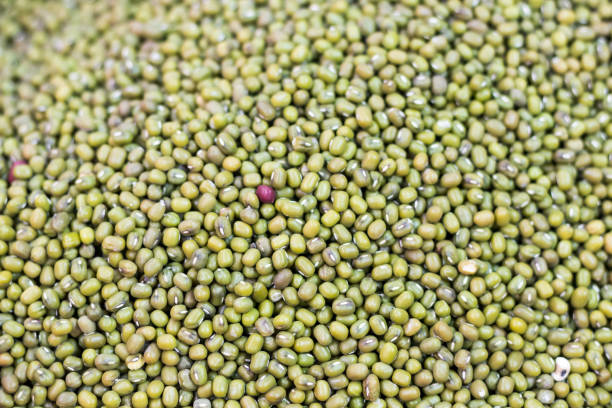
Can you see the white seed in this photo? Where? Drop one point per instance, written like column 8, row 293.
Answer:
column 562, row 369
column 202, row 403
column 468, row 267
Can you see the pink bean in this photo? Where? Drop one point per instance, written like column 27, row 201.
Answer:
column 11, row 175
column 266, row 194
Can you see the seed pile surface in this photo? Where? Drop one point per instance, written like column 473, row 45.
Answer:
column 246, row 204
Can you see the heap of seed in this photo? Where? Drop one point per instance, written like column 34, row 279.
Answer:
column 305, row 203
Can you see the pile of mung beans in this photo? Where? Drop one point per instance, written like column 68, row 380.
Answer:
column 305, row 203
